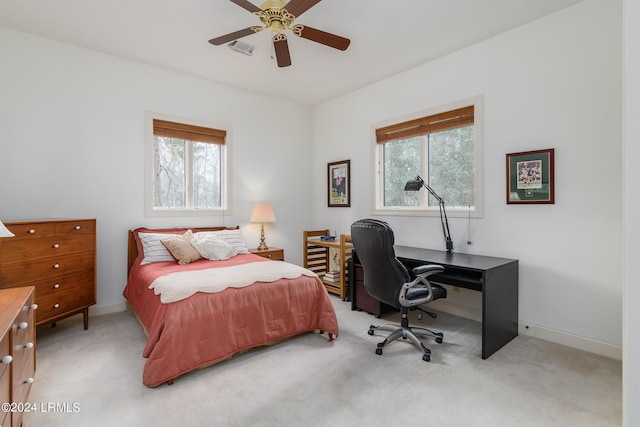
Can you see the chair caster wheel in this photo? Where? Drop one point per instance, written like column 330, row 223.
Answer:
column 370, row 332
column 439, row 340
column 426, row 357
column 378, row 351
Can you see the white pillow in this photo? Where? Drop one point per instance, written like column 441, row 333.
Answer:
column 235, row 239
column 211, row 246
column 153, row 249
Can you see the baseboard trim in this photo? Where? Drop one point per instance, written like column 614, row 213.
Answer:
column 581, row 343
column 527, row 328
column 99, row 310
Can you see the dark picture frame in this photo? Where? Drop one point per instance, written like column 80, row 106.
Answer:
column 339, row 184
column 530, row 177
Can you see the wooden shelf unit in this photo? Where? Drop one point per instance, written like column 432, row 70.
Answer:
column 318, row 256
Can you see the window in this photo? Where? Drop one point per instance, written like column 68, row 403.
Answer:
column 186, row 168
column 444, row 148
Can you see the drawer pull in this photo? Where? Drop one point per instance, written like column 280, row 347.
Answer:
column 56, row 246
column 7, row 359
column 23, row 325
column 56, row 305
column 77, row 227
column 28, row 381
column 32, row 231
column 34, row 306
column 28, row 345
column 56, row 265
column 56, row 286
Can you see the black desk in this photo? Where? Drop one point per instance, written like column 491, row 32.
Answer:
column 496, row 278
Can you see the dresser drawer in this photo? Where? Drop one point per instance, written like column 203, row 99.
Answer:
column 75, row 227
column 31, row 270
column 22, row 386
column 21, row 249
column 33, row 230
column 56, row 285
column 64, row 301
column 23, row 330
column 5, row 376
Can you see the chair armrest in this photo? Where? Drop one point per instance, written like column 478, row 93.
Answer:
column 421, row 272
column 428, row 268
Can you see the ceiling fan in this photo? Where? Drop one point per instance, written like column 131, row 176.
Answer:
column 279, row 16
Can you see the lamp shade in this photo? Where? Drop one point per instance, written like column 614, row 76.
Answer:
column 4, row 231
column 414, row 184
column 262, row 212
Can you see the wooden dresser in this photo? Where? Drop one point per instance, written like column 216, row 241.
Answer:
column 58, row 257
column 17, row 352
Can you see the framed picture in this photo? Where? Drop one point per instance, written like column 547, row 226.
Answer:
column 339, row 180
column 530, row 177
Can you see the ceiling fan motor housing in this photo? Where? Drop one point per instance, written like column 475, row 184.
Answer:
column 276, row 19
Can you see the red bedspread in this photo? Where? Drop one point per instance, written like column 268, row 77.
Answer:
column 209, row 327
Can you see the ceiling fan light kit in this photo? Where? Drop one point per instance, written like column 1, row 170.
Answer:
column 278, row 16
column 241, row 47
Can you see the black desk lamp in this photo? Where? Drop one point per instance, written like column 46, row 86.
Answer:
column 416, row 185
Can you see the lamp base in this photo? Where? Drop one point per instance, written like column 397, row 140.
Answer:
column 262, row 246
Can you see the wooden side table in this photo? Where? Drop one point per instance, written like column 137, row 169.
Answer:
column 275, row 254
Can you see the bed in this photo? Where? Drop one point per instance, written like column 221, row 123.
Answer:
column 210, row 326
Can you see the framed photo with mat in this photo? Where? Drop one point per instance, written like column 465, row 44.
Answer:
column 530, row 177
column 339, row 184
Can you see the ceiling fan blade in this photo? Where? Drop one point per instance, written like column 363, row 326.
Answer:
column 298, row 7
column 235, row 35
column 324, row 38
column 281, row 47
column 247, row 5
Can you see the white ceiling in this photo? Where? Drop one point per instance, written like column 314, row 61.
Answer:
column 386, row 37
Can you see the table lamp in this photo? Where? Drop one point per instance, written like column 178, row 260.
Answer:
column 4, row 231
column 416, row 185
column 262, row 212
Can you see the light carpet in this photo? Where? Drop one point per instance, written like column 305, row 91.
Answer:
column 93, row 378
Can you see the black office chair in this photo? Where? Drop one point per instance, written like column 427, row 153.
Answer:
column 387, row 280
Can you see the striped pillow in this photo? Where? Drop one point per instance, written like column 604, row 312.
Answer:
column 153, row 249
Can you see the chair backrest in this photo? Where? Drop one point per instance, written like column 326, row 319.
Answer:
column 384, row 275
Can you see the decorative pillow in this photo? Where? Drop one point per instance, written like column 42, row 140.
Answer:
column 182, row 249
column 235, row 239
column 153, row 249
column 212, row 247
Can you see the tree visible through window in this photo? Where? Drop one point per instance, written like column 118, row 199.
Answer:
column 188, row 167
column 441, row 148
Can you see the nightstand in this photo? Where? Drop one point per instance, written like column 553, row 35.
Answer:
column 275, row 254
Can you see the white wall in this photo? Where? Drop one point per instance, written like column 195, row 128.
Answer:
column 72, row 145
column 631, row 338
column 554, row 83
